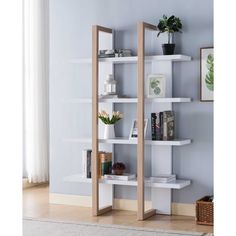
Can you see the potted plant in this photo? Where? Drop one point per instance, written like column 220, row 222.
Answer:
column 109, row 122
column 170, row 25
column 118, row 168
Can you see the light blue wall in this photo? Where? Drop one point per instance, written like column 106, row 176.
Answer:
column 70, row 37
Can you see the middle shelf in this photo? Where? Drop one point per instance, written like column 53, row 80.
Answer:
column 128, row 100
column 124, row 140
column 176, row 184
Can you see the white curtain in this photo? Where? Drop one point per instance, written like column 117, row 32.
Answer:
column 36, row 74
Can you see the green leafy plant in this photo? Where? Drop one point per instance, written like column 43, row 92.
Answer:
column 105, row 118
column 209, row 79
column 170, row 25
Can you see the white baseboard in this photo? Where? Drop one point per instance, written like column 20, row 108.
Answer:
column 119, row 204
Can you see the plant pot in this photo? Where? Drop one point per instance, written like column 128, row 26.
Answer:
column 168, row 48
column 118, row 172
column 109, row 132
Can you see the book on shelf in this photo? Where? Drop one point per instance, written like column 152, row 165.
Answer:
column 156, row 125
column 163, row 178
column 124, row 176
column 168, row 125
column 104, row 163
column 162, row 125
column 86, row 163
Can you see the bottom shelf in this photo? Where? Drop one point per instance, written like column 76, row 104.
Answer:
column 176, row 184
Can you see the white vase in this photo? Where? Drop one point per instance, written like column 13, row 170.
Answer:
column 109, row 132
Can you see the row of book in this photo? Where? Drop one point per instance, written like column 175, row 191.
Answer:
column 163, row 125
column 104, row 163
column 104, row 166
column 105, row 172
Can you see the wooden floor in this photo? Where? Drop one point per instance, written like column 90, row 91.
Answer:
column 36, row 205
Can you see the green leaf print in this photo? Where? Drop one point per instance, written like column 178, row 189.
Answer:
column 209, row 79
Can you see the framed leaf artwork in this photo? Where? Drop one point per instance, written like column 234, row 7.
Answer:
column 156, row 86
column 207, row 74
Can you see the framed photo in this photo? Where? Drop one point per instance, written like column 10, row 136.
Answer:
column 134, row 129
column 207, row 74
column 156, row 86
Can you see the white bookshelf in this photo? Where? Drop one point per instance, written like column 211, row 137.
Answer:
column 177, row 184
column 160, row 151
column 133, row 59
column 128, row 100
column 121, row 140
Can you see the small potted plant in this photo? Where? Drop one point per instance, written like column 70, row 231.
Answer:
column 170, row 25
column 109, row 122
column 118, row 168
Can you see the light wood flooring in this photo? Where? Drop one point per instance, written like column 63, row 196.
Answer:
column 36, row 205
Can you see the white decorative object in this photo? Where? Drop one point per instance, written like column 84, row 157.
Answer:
column 110, row 85
column 156, row 85
column 109, row 131
column 134, row 129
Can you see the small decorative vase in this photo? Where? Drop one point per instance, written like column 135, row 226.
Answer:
column 109, row 132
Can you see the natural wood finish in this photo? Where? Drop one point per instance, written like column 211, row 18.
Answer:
column 140, row 120
column 149, row 26
column 104, row 210
column 95, row 190
column 104, row 29
column 149, row 213
column 95, row 77
column 140, row 111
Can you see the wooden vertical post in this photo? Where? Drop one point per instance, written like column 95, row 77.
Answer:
column 95, row 72
column 95, row 76
column 140, row 148
column 140, row 120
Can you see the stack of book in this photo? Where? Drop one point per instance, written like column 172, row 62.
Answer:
column 124, row 176
column 104, row 163
column 162, row 125
column 163, row 178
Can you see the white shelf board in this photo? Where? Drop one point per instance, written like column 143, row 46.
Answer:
column 122, row 140
column 133, row 59
column 128, row 100
column 177, row 184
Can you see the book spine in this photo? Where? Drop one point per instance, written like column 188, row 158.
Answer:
column 84, row 163
column 161, row 125
column 105, row 164
column 89, row 157
column 168, row 125
column 153, row 125
column 156, row 126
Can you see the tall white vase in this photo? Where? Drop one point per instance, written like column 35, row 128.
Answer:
column 109, row 132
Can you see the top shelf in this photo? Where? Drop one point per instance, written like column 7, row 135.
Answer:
column 134, row 59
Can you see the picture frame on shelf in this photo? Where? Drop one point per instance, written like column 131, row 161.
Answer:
column 156, row 86
column 207, row 74
column 134, row 129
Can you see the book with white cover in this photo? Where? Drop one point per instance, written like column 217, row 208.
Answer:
column 164, row 178
column 86, row 155
column 125, row 176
